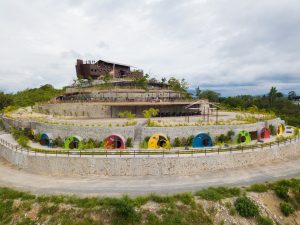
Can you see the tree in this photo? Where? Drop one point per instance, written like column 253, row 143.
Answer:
column 272, row 95
column 126, row 114
column 163, row 80
column 197, row 92
column 292, row 95
column 107, row 79
column 148, row 113
column 180, row 86
column 212, row 96
column 5, row 100
column 142, row 81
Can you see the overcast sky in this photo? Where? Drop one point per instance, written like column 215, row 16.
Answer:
column 233, row 46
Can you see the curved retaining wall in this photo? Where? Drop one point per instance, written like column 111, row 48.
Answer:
column 63, row 131
column 213, row 130
column 101, row 132
column 143, row 165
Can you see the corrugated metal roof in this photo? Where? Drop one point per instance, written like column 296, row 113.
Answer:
column 120, row 64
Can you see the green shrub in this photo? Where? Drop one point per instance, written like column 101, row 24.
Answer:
column 262, row 220
column 26, row 221
column 190, row 140
column 185, row 198
column 183, row 141
column 129, row 143
column 246, row 207
column 286, row 208
column 125, row 210
column 258, row 188
column 6, row 210
column 296, row 131
column 177, row 142
column 146, row 139
column 216, row 194
column 272, row 129
column 37, row 137
column 23, row 141
column 59, row 142
column 282, row 192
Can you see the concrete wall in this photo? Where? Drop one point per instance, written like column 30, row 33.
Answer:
column 213, row 130
column 152, row 166
column 97, row 132
column 100, row 110
column 101, row 132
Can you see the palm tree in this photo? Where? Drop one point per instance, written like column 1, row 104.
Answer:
column 272, row 95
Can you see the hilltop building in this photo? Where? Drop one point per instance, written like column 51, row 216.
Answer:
column 97, row 70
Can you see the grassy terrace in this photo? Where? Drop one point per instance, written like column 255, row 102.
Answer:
column 220, row 205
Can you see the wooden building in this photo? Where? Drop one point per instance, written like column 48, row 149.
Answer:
column 97, row 70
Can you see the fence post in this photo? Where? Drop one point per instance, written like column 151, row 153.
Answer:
column 205, row 152
column 242, row 149
column 178, row 153
column 106, row 153
column 163, row 154
column 218, row 151
column 134, row 153
column 68, row 153
column 80, row 153
column 270, row 145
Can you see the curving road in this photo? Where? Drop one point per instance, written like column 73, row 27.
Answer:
column 11, row 176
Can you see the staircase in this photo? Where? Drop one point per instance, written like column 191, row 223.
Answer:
column 138, row 134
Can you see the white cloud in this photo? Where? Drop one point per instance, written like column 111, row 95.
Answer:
column 215, row 44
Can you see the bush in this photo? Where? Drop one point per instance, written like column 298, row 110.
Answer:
column 190, row 140
column 282, row 192
column 258, row 188
column 129, row 143
column 261, row 220
column 146, row 139
column 23, row 141
column 216, row 194
column 246, row 207
column 58, row 142
column 272, row 129
column 177, row 142
column 286, row 208
column 125, row 209
column 37, row 137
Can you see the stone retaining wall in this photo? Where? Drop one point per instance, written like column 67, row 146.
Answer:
column 63, row 131
column 101, row 132
column 145, row 166
column 213, row 130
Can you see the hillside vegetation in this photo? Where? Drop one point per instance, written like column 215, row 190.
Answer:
column 261, row 204
column 28, row 97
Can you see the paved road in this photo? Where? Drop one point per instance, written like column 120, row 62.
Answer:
column 114, row 186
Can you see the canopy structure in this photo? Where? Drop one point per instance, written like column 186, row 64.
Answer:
column 280, row 129
column 73, row 142
column 158, row 141
column 242, row 137
column 115, row 141
column 264, row 133
column 202, row 140
column 46, row 139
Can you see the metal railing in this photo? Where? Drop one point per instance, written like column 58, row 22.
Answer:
column 142, row 153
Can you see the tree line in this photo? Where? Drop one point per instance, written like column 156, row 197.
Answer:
column 273, row 101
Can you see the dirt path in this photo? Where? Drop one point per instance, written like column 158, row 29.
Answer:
column 114, row 186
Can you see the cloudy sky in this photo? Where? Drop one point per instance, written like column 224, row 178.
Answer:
column 233, row 46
